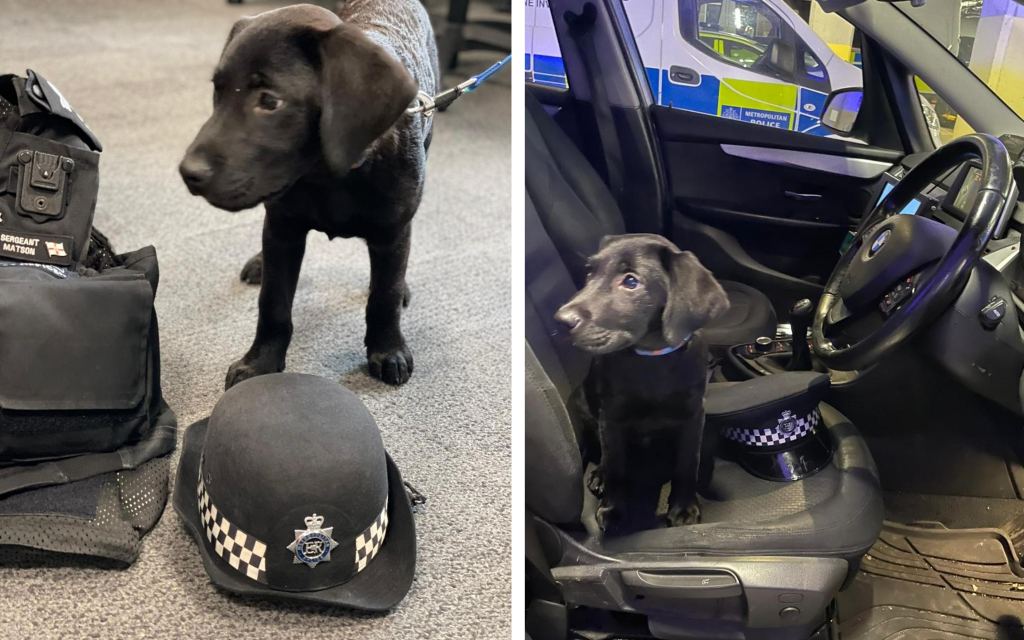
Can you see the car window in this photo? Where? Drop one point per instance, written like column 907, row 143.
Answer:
column 765, row 62
column 995, row 27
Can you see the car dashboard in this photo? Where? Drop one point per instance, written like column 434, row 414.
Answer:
column 987, row 359
column 951, row 197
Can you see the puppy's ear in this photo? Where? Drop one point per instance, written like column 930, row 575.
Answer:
column 365, row 91
column 235, row 30
column 694, row 296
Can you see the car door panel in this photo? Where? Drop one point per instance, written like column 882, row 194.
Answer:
column 779, row 202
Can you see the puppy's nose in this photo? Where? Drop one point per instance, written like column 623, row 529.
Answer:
column 568, row 317
column 195, row 171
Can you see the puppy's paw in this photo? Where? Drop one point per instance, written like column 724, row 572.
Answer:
column 245, row 369
column 609, row 516
column 252, row 272
column 681, row 517
column 595, row 481
column 393, row 366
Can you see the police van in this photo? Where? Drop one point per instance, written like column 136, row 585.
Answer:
column 750, row 60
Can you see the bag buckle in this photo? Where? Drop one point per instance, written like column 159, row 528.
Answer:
column 42, row 183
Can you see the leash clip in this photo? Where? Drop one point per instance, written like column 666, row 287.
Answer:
column 426, row 105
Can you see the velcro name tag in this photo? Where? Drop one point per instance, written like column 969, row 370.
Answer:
column 32, row 247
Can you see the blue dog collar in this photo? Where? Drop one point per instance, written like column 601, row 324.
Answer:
column 666, row 350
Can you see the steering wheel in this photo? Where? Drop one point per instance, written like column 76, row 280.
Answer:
column 902, row 271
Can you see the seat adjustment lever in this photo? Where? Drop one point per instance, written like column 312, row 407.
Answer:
column 682, row 586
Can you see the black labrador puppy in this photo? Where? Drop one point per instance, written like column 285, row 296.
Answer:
column 643, row 301
column 310, row 119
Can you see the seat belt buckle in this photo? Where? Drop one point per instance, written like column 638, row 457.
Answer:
column 42, row 184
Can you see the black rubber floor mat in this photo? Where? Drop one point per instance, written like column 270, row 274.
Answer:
column 954, row 512
column 935, row 585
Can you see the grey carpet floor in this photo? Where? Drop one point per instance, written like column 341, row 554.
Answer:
column 139, row 73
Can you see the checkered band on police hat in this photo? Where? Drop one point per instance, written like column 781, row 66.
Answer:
column 243, row 552
column 369, row 542
column 248, row 555
column 789, row 429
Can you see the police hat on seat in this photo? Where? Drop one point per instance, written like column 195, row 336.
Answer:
column 772, row 424
column 290, row 495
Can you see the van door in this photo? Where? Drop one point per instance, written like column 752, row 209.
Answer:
column 645, row 21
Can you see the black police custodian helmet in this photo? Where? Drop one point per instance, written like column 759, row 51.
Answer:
column 290, row 494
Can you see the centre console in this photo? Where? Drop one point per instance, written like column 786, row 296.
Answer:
column 775, row 354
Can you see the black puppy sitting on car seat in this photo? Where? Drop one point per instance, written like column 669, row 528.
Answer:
column 643, row 301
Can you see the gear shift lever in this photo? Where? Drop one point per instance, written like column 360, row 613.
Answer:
column 800, row 320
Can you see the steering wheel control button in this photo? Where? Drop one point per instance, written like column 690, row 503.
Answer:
column 993, row 313
column 879, row 242
column 898, row 294
column 763, row 344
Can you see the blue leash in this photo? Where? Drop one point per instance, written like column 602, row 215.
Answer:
column 493, row 69
column 427, row 104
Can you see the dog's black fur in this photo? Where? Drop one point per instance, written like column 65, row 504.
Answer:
column 310, row 119
column 643, row 293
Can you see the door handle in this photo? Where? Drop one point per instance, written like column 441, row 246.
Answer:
column 803, row 197
column 683, row 75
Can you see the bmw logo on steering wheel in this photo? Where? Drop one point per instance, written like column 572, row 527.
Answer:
column 879, row 242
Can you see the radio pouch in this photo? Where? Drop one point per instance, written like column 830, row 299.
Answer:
column 49, row 174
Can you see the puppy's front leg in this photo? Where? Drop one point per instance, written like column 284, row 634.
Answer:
column 682, row 502
column 283, row 249
column 610, row 475
column 386, row 352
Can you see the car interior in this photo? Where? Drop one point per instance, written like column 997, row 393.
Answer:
column 903, row 333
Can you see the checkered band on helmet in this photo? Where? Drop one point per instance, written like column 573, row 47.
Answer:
column 240, row 550
column 369, row 542
column 248, row 555
column 789, row 429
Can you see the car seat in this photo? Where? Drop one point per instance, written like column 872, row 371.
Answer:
column 768, row 557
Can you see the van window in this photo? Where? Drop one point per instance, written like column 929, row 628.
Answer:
column 753, row 35
column 738, row 35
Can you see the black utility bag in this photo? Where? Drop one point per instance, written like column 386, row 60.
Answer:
column 83, row 424
column 79, row 371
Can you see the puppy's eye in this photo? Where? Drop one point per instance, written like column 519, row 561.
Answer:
column 270, row 102
column 630, row 281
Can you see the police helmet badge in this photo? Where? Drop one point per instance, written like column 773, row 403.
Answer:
column 787, row 423
column 313, row 544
